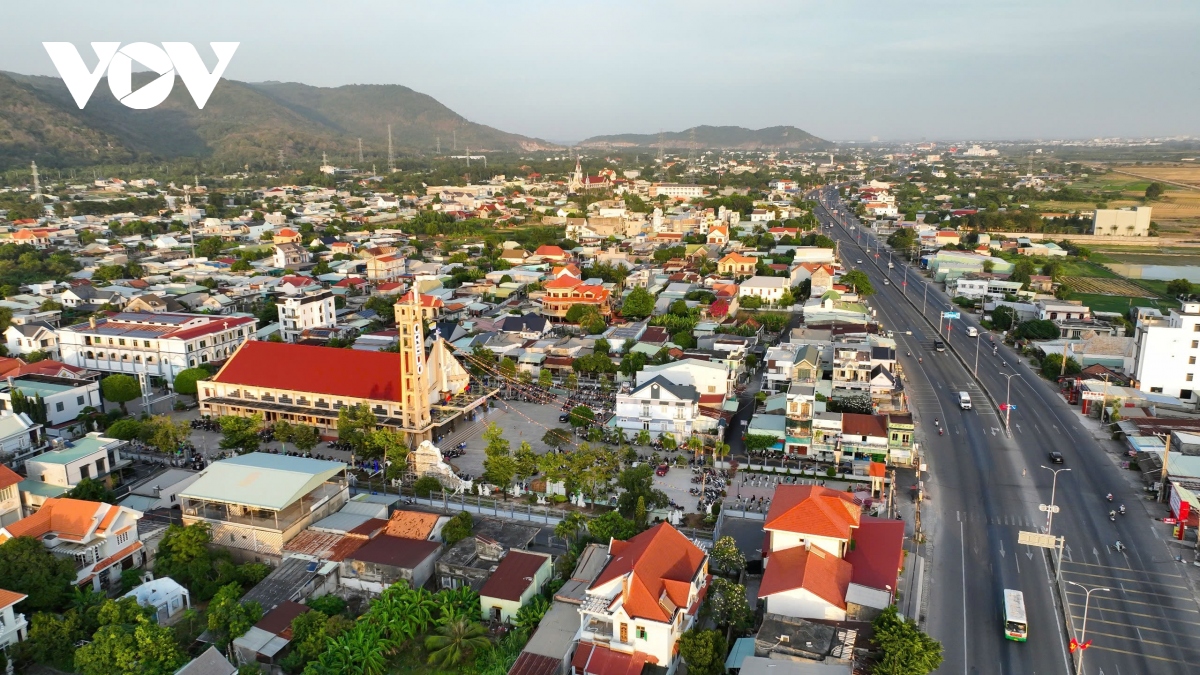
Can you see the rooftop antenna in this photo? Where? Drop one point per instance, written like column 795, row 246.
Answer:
column 37, row 185
column 360, row 157
column 391, row 160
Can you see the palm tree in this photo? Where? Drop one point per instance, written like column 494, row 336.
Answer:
column 361, row 651
column 455, row 642
column 695, row 444
column 643, row 437
column 621, row 436
column 721, row 450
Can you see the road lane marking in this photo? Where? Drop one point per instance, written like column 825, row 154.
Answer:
column 962, row 538
column 1138, row 602
column 1146, row 642
column 1127, row 569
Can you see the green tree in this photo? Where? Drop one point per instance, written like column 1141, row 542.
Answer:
column 1178, row 287
column 530, row 616
column 611, row 525
column 304, row 437
column 556, row 437
column 545, row 379
column 727, row 604
column 639, row 304
column 457, row 528
column 455, row 642
column 1154, row 191
column 726, row 557
column 426, row 485
column 639, row 513
column 904, row 649
column 164, row 434
column 637, row 485
column 27, row 567
column 1052, row 366
column 52, row 637
column 1037, row 329
column 90, row 490
column 703, row 651
column 1023, row 270
column 229, row 617
column 526, row 461
column 139, row 648
column 354, row 424
column 240, row 433
column 858, row 280
column 120, row 389
column 582, row 416
column 185, row 381
column 1003, row 317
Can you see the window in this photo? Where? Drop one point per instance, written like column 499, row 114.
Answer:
column 641, row 633
column 1191, row 360
column 1196, row 328
column 1189, row 377
column 84, row 471
column 59, row 407
column 624, row 632
column 99, row 466
column 79, row 400
column 1195, row 344
column 121, row 342
column 1156, row 390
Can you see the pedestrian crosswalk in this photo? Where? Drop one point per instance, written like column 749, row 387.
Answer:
column 1026, row 522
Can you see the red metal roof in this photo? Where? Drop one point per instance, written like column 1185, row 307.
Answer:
column 319, row 370
column 857, row 424
column 513, row 575
column 595, row 659
column 878, row 552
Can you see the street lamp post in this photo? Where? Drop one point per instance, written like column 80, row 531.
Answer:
column 976, row 371
column 1053, row 488
column 1083, row 632
column 1007, row 397
column 925, row 300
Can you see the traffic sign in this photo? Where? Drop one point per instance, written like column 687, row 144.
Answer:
column 950, row 315
column 1037, row 539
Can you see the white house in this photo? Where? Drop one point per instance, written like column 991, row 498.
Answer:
column 767, row 289
column 53, row 473
column 1167, row 350
column 298, row 313
column 160, row 345
column 661, row 406
column 13, row 626
column 643, row 600
column 19, row 435
column 101, row 539
column 706, row 376
column 35, row 336
column 65, row 398
column 10, row 496
column 165, row 595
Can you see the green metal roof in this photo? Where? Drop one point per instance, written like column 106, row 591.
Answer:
column 81, row 448
column 41, row 489
column 262, row 480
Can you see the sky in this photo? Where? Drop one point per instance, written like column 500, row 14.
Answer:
column 564, row 71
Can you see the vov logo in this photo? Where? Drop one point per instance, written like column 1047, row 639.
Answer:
column 167, row 60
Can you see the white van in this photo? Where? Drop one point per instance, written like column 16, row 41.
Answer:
column 972, row 331
column 964, row 400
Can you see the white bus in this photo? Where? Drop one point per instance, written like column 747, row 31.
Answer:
column 1015, row 627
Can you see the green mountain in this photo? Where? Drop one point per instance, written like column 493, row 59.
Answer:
column 730, row 138
column 242, row 123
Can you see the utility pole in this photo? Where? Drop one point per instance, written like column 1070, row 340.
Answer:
column 1008, row 398
column 391, row 161
column 1063, row 371
column 1162, row 483
column 976, row 371
column 926, row 300
column 1082, row 641
column 1053, row 486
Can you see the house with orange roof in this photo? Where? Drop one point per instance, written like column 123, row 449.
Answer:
column 547, row 252
column 10, row 496
column 820, row 277
column 384, row 263
column 567, row 291
column 35, row 238
column 13, row 627
column 645, row 597
column 286, row 236
column 806, row 582
column 719, row 235
column 570, row 269
column 801, row 515
column 101, row 539
column 736, row 264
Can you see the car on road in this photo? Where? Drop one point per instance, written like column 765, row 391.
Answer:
column 1055, row 457
column 886, row 282
column 859, row 261
column 565, row 417
column 662, row 470
column 939, row 345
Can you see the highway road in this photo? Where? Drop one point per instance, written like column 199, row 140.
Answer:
column 984, row 486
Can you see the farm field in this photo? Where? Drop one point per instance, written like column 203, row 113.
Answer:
column 1117, row 303
column 1105, row 286
column 1178, row 174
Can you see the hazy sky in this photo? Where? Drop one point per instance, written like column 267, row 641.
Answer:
column 562, row 70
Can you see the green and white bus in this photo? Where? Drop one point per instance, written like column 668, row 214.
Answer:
column 1015, row 626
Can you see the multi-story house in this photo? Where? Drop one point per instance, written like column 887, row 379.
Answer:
column 159, row 345
column 34, row 336
column 53, row 473
column 298, row 313
column 13, row 626
column 1167, row 350
column 10, row 496
column 65, row 397
column 661, row 406
column 290, row 256
column 852, row 369
column 256, row 503
column 384, row 264
column 646, row 596
column 565, row 292
column 101, row 539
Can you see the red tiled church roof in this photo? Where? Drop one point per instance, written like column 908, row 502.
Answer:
column 320, row 370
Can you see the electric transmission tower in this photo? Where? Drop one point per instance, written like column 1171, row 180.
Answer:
column 391, row 160
column 37, row 185
column 360, row 157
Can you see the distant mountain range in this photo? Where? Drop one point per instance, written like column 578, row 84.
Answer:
column 708, row 137
column 241, row 123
